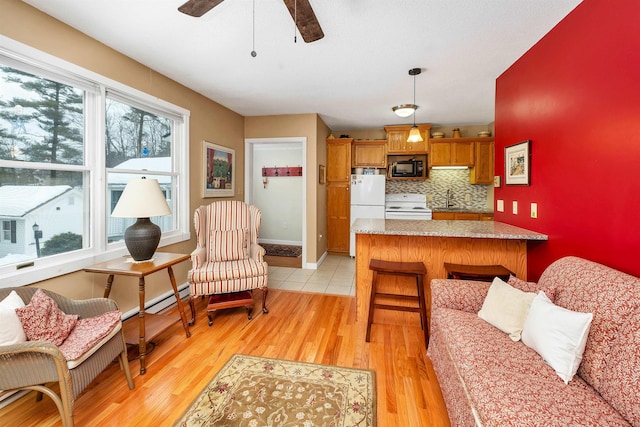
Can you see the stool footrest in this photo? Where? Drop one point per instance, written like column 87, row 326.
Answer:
column 397, row 307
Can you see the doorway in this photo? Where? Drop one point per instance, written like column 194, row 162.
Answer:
column 281, row 199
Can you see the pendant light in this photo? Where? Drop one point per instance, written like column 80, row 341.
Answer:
column 414, row 133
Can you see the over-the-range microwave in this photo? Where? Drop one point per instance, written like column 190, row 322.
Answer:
column 407, row 168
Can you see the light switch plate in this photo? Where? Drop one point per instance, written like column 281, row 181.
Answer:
column 514, row 207
column 534, row 210
column 500, row 206
column 496, row 181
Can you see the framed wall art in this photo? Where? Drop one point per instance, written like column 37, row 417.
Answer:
column 218, row 170
column 517, row 163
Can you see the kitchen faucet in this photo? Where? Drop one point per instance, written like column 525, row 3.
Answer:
column 449, row 202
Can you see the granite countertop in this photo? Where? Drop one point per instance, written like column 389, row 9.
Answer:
column 446, row 228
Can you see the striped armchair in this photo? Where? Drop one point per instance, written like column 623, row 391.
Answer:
column 227, row 259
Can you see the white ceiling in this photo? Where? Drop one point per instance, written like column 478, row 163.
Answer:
column 352, row 77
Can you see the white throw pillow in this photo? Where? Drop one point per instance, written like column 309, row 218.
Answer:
column 557, row 334
column 506, row 307
column 11, row 331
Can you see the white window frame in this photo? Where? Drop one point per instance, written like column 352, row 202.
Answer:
column 46, row 65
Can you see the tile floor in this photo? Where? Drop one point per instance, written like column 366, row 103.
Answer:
column 336, row 275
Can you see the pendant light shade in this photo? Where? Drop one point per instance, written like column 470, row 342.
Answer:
column 414, row 134
column 405, row 110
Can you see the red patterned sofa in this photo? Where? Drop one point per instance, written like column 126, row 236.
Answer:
column 489, row 380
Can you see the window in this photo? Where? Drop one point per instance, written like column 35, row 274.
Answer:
column 9, row 232
column 69, row 142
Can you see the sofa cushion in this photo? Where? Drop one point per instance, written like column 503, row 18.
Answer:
column 228, row 245
column 11, row 331
column 217, row 271
column 589, row 287
column 557, row 334
column 621, row 376
column 506, row 308
column 88, row 332
column 42, row 320
column 508, row 383
column 531, row 287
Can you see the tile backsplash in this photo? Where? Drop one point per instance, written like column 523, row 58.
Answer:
column 441, row 180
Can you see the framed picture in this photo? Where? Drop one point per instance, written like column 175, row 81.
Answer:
column 322, row 174
column 218, row 170
column 517, row 164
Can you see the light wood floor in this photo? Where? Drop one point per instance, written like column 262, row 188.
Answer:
column 300, row 326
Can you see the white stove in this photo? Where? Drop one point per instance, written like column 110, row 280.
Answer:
column 407, row 206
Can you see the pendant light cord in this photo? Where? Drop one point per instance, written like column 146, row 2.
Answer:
column 414, row 99
column 253, row 31
column 295, row 21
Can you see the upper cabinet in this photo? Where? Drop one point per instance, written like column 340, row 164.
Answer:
column 452, row 152
column 339, row 159
column 397, row 140
column 483, row 169
column 369, row 153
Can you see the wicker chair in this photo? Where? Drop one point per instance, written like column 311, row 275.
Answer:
column 227, row 264
column 33, row 364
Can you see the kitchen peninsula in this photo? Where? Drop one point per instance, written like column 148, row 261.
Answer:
column 434, row 243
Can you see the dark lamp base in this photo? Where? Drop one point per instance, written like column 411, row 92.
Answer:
column 142, row 239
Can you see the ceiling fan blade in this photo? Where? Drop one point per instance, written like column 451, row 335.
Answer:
column 197, row 8
column 306, row 20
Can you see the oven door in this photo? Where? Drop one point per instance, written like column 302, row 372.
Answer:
column 408, row 214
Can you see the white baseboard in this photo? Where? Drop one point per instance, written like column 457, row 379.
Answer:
column 281, row 242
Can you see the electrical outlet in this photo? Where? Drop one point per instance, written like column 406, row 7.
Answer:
column 500, row 206
column 467, row 197
column 514, row 207
column 534, row 210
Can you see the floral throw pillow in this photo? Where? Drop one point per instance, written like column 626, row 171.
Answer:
column 42, row 320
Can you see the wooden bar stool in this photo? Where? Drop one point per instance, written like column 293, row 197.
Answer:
column 481, row 273
column 413, row 269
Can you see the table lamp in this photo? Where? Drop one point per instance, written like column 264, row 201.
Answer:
column 142, row 198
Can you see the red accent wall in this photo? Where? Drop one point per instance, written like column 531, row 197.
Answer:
column 576, row 96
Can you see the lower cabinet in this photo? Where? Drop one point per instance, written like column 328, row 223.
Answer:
column 471, row 216
column 338, row 216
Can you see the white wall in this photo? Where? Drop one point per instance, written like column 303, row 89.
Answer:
column 281, row 200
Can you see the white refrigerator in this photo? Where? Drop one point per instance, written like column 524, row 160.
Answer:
column 367, row 201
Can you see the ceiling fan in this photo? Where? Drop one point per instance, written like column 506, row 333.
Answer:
column 300, row 10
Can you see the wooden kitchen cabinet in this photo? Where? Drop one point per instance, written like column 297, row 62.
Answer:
column 338, row 216
column 338, row 195
column 339, row 159
column 369, row 153
column 397, row 140
column 483, row 169
column 452, row 152
column 471, row 216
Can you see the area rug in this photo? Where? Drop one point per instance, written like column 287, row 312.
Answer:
column 282, row 250
column 256, row 391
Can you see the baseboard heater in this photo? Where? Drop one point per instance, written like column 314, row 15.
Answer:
column 159, row 303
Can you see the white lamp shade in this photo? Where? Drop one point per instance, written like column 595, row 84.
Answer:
column 405, row 110
column 141, row 198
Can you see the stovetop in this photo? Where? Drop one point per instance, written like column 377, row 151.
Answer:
column 406, row 202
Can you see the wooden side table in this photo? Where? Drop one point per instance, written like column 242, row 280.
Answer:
column 146, row 321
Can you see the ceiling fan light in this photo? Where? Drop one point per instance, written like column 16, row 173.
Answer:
column 414, row 135
column 405, row 110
